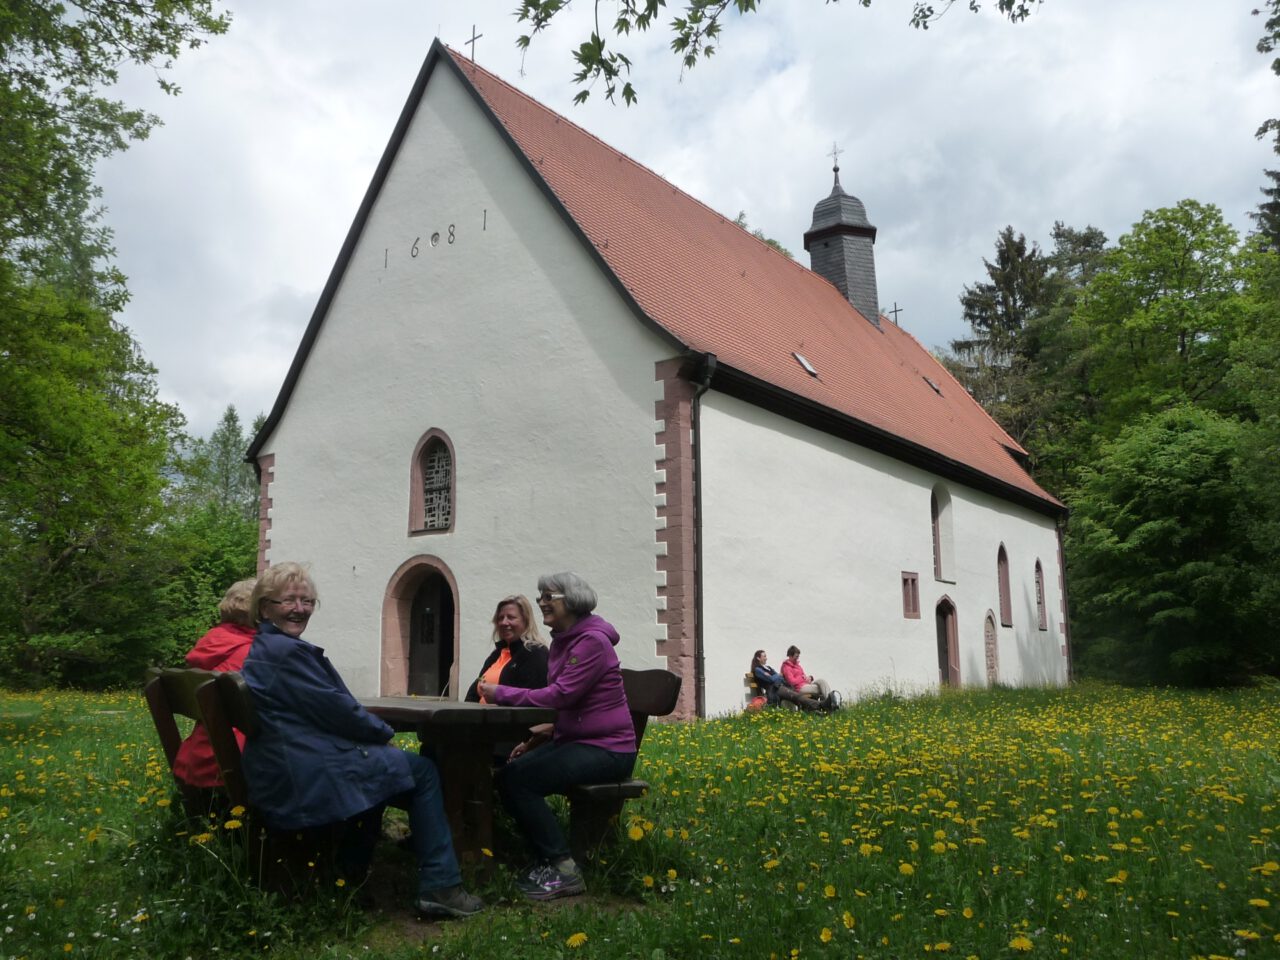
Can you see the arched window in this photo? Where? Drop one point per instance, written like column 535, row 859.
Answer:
column 1040, row 610
column 940, row 518
column 432, row 484
column 1006, row 601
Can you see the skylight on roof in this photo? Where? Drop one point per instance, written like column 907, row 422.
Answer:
column 936, row 389
column 808, row 367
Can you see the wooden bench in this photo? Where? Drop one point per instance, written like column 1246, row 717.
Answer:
column 594, row 808
column 170, row 693
column 289, row 862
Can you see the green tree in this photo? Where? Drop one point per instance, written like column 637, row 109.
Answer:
column 215, row 473
column 56, row 61
column 997, row 362
column 1267, row 216
column 1161, row 566
column 85, row 446
column 1160, row 317
column 694, row 32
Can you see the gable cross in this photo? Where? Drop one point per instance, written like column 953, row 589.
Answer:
column 894, row 313
column 835, row 155
column 472, row 42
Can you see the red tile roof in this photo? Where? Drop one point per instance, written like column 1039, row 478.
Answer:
column 717, row 289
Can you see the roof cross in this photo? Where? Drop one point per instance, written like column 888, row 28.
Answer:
column 894, row 312
column 835, row 155
column 472, row 42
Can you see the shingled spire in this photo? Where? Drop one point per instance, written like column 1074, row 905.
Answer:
column 840, row 244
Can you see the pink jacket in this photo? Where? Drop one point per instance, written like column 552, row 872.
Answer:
column 794, row 674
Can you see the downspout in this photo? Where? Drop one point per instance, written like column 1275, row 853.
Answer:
column 703, row 373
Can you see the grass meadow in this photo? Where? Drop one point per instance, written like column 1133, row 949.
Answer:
column 1093, row 822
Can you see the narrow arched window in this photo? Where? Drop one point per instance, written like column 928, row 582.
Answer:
column 1006, row 601
column 937, row 536
column 940, row 518
column 1040, row 610
column 432, row 484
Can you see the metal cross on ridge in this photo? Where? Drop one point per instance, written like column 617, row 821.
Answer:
column 835, row 155
column 472, row 42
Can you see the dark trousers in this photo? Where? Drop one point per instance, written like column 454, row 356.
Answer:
column 525, row 783
column 430, row 839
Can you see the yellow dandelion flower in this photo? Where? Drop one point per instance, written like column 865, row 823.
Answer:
column 826, row 935
column 340, row 882
column 801, row 886
column 1022, row 943
column 576, row 940
column 635, row 832
column 1247, row 935
column 942, row 946
column 866, row 849
column 1259, row 902
column 906, row 869
column 237, row 811
column 942, row 912
column 671, row 874
column 486, row 852
column 967, row 913
column 1120, row 877
column 648, row 881
column 232, row 825
column 770, row 864
column 939, row 847
column 847, row 920
column 67, row 948
column 829, row 891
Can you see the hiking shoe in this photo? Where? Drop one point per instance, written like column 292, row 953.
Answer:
column 833, row 701
column 548, row 883
column 448, row 902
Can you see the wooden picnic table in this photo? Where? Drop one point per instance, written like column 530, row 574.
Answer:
column 461, row 736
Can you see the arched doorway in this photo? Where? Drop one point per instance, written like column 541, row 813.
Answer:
column 948, row 644
column 431, row 638
column 420, row 629
column 989, row 645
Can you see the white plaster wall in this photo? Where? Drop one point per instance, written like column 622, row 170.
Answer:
column 511, row 341
column 805, row 538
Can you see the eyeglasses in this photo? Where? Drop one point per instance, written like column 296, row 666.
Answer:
column 302, row 603
column 546, row 598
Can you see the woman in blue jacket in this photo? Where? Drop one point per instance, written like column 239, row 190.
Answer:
column 319, row 757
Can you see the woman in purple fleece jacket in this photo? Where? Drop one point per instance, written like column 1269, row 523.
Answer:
column 592, row 740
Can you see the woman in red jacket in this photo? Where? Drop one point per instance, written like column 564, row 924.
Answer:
column 222, row 648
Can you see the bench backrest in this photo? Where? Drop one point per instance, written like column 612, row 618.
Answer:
column 170, row 693
column 650, row 693
column 227, row 707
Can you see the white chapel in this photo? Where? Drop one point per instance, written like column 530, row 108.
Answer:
column 533, row 354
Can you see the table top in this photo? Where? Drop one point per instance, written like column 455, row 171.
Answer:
column 409, row 713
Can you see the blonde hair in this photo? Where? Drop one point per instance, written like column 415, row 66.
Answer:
column 532, row 636
column 275, row 578
column 235, row 606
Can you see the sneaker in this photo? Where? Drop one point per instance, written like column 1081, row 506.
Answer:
column 449, row 902
column 833, row 701
column 548, row 883
column 531, row 879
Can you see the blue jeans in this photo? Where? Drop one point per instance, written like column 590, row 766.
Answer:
column 429, row 837
column 525, row 783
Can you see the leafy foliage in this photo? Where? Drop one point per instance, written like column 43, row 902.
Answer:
column 55, row 62
column 695, row 31
column 84, row 447
column 741, row 221
column 1162, row 561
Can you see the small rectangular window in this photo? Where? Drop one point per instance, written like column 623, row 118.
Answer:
column 910, row 595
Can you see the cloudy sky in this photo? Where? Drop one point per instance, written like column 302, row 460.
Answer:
column 229, row 218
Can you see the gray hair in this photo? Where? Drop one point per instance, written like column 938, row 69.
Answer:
column 579, row 598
